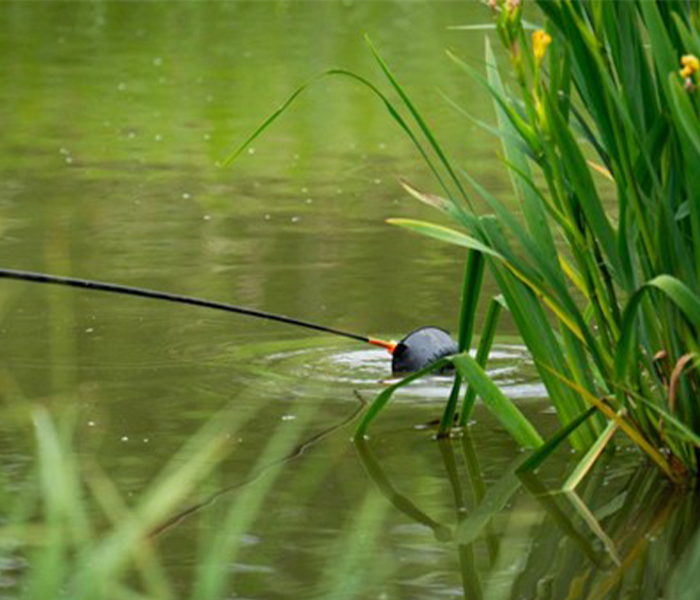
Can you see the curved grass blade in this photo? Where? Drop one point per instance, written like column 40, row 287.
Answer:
column 452, row 209
column 393, row 112
column 418, row 118
column 676, row 291
column 444, row 234
column 381, row 400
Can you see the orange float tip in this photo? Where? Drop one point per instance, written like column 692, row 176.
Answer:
column 390, row 346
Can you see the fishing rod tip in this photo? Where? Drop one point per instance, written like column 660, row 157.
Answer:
column 390, row 346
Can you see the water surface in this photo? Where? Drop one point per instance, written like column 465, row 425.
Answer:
column 115, row 118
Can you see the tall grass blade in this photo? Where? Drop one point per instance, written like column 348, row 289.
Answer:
column 488, row 333
column 471, row 291
column 497, row 402
column 418, row 118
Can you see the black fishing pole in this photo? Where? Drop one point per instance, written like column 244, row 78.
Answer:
column 415, row 351
column 128, row 290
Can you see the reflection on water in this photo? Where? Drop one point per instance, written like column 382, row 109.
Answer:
column 114, row 116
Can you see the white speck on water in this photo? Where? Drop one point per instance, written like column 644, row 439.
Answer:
column 158, row 62
column 295, row 219
column 186, row 196
column 91, row 423
column 64, row 151
column 158, row 137
column 90, row 330
column 207, row 217
column 206, row 137
column 240, row 440
column 288, row 417
column 251, row 150
column 121, row 87
column 69, row 160
column 146, row 440
column 309, row 200
column 125, row 438
column 377, row 181
column 382, row 146
column 267, row 217
column 131, row 135
column 304, row 190
column 339, row 191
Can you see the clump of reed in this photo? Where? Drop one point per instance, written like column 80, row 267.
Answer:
column 605, row 291
column 600, row 267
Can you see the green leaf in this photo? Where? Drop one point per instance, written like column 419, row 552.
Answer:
column 444, row 234
column 676, row 291
column 393, row 112
column 587, row 462
column 545, row 450
column 415, row 113
column 497, row 402
column 382, row 399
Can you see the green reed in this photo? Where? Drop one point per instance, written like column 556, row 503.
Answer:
column 600, row 268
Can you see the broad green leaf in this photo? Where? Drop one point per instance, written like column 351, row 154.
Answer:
column 497, row 402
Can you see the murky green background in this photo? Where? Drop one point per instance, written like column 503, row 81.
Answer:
column 114, row 117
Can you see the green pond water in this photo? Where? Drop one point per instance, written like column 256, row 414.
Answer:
column 114, row 118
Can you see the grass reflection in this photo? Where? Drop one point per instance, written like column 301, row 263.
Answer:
column 521, row 539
